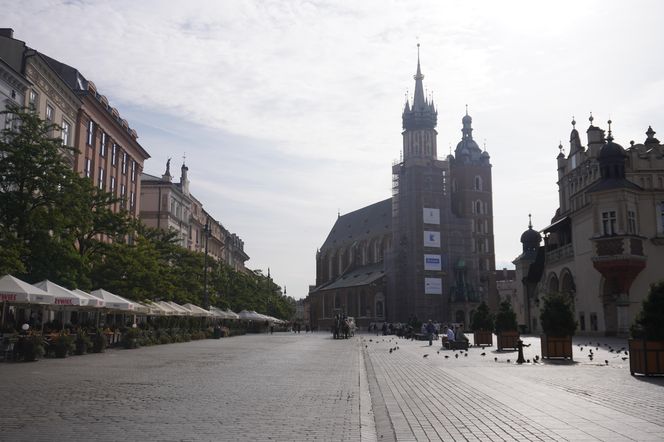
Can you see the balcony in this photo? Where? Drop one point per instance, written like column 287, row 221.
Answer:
column 619, row 259
column 560, row 253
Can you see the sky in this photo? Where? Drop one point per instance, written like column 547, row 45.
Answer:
column 289, row 112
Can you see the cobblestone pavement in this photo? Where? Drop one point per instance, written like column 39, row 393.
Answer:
column 485, row 395
column 311, row 387
column 255, row 387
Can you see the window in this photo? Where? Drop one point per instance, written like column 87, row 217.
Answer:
column 123, row 195
column 114, row 154
column 478, row 207
column 112, row 189
column 631, row 222
column 124, row 163
column 133, row 170
column 33, row 99
column 661, row 217
column 91, row 133
column 478, row 183
column 593, row 322
column 49, row 113
column 582, row 321
column 102, row 145
column 66, row 130
column 88, row 166
column 609, row 223
column 132, row 199
column 101, row 178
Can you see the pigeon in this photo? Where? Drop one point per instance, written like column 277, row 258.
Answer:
column 370, row 340
column 466, row 354
column 495, row 359
column 581, row 348
column 447, row 356
column 606, row 362
column 438, row 352
column 456, row 356
column 483, row 354
column 425, row 356
column 537, row 357
column 624, row 358
column 528, row 361
column 626, row 353
column 390, row 350
column 508, row 361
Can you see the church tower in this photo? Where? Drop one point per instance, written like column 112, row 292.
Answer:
column 472, row 198
column 420, row 213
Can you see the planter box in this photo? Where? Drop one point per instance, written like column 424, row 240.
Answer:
column 556, row 348
column 646, row 357
column 483, row 338
column 507, row 339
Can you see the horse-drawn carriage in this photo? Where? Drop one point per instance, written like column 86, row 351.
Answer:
column 343, row 327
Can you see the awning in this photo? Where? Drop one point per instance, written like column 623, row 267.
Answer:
column 63, row 296
column 114, row 302
column 179, row 309
column 14, row 290
column 555, row 225
column 93, row 301
column 196, row 310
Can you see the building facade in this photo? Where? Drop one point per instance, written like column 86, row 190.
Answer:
column 169, row 205
column 426, row 252
column 605, row 244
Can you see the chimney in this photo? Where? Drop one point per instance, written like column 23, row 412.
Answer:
column 7, row 32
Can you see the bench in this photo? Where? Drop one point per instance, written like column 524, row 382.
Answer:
column 456, row 345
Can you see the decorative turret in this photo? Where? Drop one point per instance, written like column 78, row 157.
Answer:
column 422, row 114
column 612, row 159
column 651, row 137
column 530, row 239
column 184, row 182
column 574, row 140
column 467, row 149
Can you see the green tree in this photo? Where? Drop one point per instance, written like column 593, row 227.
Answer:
column 557, row 316
column 649, row 324
column 482, row 319
column 505, row 318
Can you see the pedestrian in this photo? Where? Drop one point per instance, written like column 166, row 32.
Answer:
column 430, row 329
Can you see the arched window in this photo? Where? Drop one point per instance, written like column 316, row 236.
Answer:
column 478, row 207
column 379, row 309
column 553, row 283
column 478, row 183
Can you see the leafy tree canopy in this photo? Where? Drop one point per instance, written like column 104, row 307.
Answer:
column 557, row 316
column 505, row 318
column 649, row 324
column 482, row 319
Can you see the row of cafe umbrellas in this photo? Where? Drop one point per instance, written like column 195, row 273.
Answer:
column 47, row 293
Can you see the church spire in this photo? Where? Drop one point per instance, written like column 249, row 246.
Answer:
column 419, row 102
column 422, row 113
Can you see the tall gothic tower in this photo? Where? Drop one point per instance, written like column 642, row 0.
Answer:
column 420, row 213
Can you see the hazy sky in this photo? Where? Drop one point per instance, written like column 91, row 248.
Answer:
column 289, row 111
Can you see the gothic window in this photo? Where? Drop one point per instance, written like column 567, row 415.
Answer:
column 478, row 183
column 609, row 223
column 379, row 309
column 478, row 207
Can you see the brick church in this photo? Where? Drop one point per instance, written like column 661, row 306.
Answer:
column 427, row 251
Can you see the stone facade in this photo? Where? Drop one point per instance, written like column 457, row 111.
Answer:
column 428, row 250
column 605, row 244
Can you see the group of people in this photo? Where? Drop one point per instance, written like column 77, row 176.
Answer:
column 453, row 334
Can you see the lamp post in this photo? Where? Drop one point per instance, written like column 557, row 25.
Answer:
column 207, row 231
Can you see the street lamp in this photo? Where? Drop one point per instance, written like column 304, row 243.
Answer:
column 207, row 231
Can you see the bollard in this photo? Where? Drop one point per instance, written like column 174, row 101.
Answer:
column 519, row 345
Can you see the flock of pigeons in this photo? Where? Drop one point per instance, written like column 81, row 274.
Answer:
column 536, row 359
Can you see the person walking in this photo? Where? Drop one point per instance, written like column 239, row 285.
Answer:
column 430, row 329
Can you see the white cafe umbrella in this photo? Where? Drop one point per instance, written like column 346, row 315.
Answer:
column 13, row 290
column 179, row 309
column 93, row 301
column 231, row 314
column 170, row 311
column 114, row 302
column 196, row 310
column 63, row 296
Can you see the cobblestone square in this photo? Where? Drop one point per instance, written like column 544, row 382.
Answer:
column 311, row 387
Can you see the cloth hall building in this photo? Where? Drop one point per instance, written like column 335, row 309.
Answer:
column 426, row 252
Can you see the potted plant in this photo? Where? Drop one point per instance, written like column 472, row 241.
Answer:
column 646, row 348
column 559, row 325
column 83, row 342
column 32, row 347
column 130, row 338
column 63, row 345
column 99, row 341
column 482, row 325
column 507, row 334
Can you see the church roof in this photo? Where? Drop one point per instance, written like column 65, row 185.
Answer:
column 357, row 277
column 367, row 222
